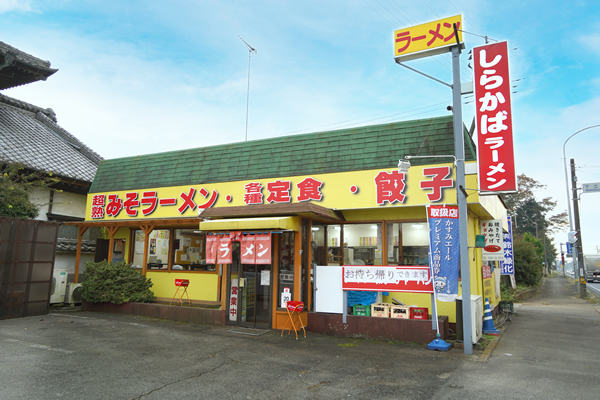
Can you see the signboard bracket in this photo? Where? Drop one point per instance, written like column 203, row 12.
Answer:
column 423, row 73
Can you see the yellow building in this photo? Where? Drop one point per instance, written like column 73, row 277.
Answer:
column 311, row 201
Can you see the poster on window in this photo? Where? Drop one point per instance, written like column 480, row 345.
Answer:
column 507, row 266
column 248, row 249
column 444, row 250
column 211, row 249
column 263, row 248
column 224, row 249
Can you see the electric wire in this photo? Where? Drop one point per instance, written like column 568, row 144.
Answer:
column 384, row 18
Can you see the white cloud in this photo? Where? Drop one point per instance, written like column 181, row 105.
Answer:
column 15, row 5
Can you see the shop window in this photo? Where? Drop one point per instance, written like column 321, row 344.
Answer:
column 188, row 251
column 363, row 244
column 318, row 248
column 286, row 266
column 408, row 243
column 158, row 249
column 334, row 245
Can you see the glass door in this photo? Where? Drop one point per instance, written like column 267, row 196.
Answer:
column 249, row 293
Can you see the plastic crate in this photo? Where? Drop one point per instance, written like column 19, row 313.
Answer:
column 419, row 313
column 363, row 311
column 401, row 312
column 381, row 310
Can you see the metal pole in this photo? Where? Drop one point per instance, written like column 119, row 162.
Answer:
column 248, row 94
column 562, row 259
column 579, row 244
column 567, row 185
column 461, row 198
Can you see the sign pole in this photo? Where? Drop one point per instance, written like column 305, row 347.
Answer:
column 461, row 197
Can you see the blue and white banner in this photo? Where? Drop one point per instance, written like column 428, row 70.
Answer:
column 507, row 267
column 444, row 250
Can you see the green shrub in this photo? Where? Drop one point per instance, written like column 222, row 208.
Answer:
column 116, row 283
column 528, row 261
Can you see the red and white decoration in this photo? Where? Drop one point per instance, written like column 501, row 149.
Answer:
column 224, row 249
column 263, row 248
column 211, row 249
column 248, row 249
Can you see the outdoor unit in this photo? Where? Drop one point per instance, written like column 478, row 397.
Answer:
column 73, row 293
column 59, row 285
column 476, row 317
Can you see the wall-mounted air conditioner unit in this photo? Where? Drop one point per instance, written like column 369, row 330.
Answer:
column 59, row 285
column 73, row 293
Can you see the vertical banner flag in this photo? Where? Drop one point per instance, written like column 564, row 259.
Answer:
column 444, row 251
column 211, row 249
column 225, row 249
column 263, row 248
column 494, row 240
column 508, row 265
column 495, row 150
column 248, row 250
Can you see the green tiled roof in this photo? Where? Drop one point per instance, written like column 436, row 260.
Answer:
column 354, row 149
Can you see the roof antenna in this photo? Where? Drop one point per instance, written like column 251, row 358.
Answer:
column 250, row 51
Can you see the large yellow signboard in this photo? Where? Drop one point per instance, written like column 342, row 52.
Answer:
column 344, row 190
column 427, row 39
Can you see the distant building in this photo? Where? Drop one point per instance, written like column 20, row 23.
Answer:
column 30, row 135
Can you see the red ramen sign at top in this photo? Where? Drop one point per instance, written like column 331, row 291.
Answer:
column 495, row 151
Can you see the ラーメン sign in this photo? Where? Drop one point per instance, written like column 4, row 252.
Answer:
column 427, row 39
column 495, row 152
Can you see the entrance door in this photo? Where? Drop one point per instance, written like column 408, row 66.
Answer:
column 249, row 293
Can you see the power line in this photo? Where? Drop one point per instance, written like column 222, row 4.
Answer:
column 393, row 26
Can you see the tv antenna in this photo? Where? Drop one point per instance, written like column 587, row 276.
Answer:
column 250, row 51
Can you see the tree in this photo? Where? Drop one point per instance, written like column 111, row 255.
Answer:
column 529, row 211
column 529, row 253
column 533, row 216
column 16, row 184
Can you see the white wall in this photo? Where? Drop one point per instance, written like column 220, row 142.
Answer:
column 65, row 203
column 71, row 204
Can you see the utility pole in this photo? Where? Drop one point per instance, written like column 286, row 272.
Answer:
column 578, row 244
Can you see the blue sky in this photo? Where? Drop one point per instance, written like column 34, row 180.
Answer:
column 139, row 77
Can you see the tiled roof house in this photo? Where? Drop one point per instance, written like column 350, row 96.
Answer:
column 30, row 135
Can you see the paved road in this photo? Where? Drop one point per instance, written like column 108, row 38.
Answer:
column 594, row 288
column 547, row 352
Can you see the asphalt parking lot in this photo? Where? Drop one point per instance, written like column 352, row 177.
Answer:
column 84, row 355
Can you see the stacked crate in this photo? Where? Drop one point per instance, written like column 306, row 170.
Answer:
column 401, row 312
column 381, row 310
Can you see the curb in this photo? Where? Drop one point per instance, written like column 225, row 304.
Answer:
column 488, row 351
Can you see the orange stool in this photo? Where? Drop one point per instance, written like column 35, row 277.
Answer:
column 181, row 283
column 294, row 308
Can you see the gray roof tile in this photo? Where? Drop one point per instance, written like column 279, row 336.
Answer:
column 29, row 135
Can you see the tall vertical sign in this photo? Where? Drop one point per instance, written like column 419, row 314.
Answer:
column 444, row 250
column 495, row 150
column 507, row 267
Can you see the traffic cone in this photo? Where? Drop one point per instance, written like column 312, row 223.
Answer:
column 488, row 321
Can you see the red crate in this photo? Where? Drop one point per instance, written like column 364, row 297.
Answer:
column 419, row 313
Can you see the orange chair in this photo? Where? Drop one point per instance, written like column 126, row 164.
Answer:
column 181, row 283
column 294, row 308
